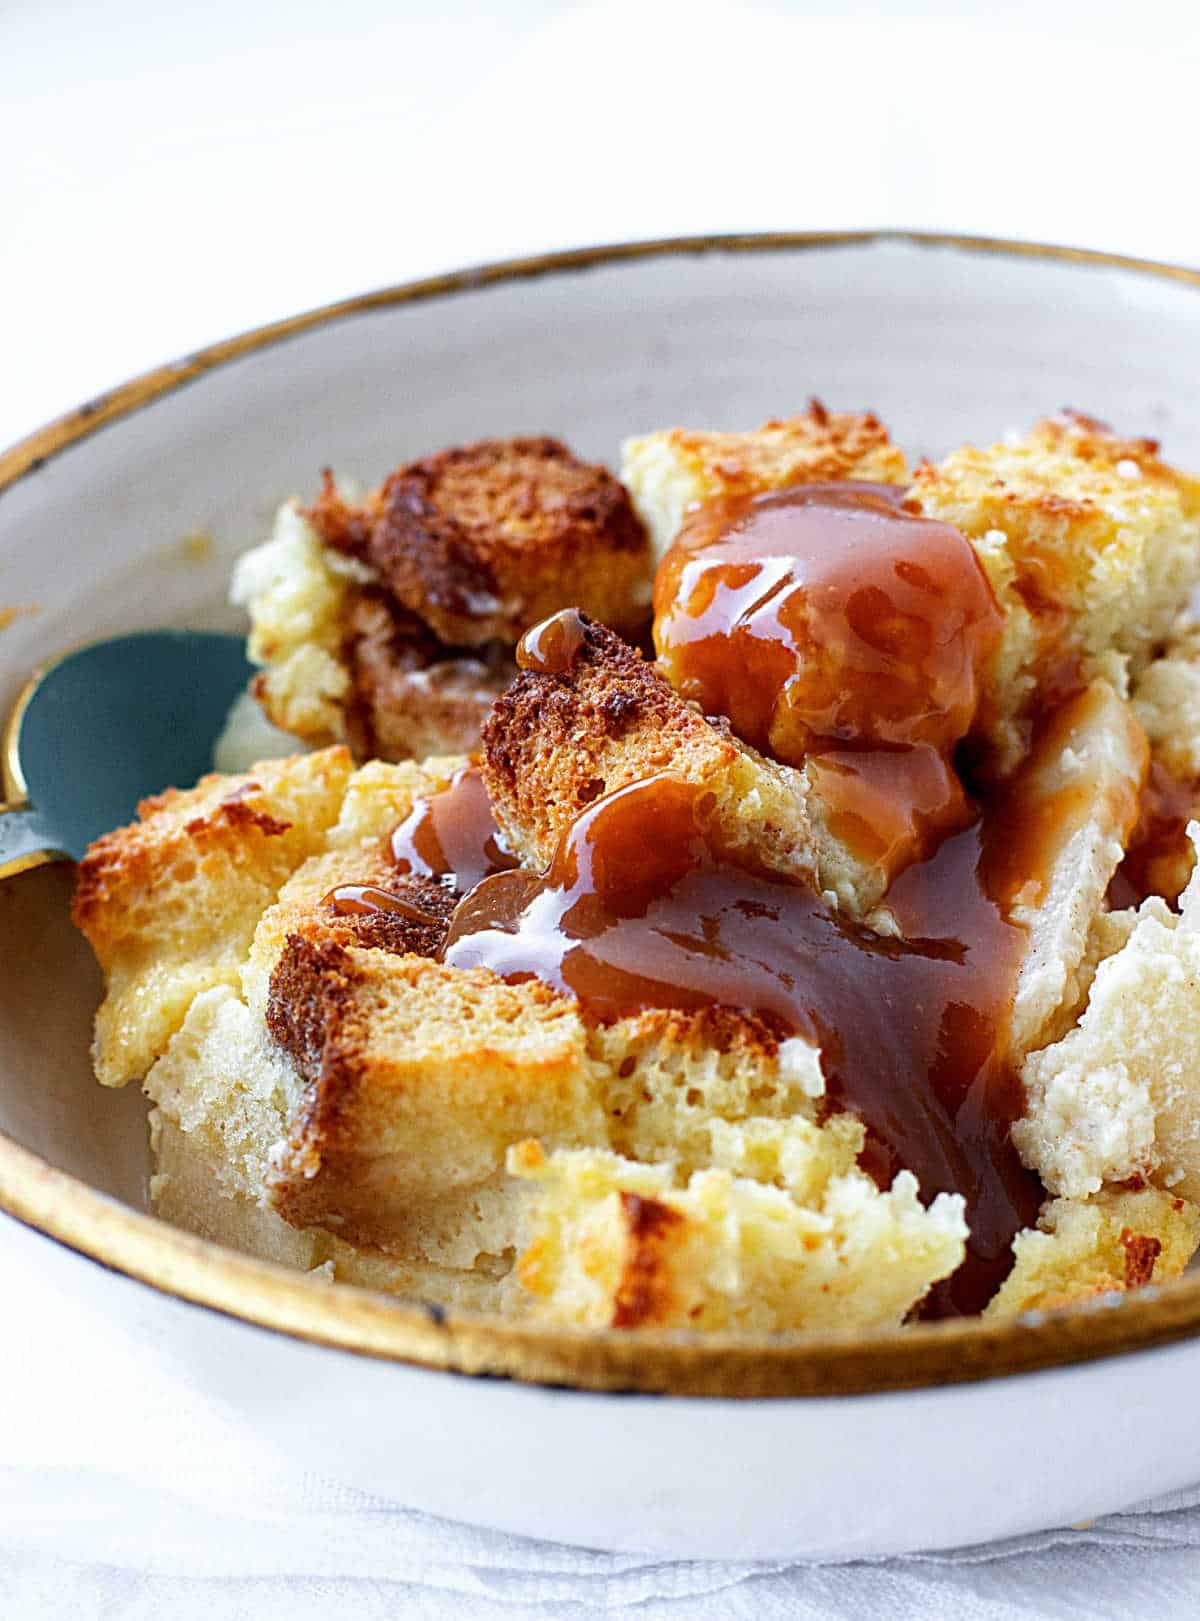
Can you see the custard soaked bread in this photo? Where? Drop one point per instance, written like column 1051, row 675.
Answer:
column 1092, row 545
column 792, row 982
column 170, row 904
column 354, row 1104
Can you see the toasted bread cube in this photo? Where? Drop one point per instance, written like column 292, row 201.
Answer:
column 671, row 472
column 1115, row 1241
column 417, row 1078
column 483, row 541
column 1092, row 545
column 555, row 743
column 1119, row 1095
column 170, row 904
column 618, row 1244
column 391, row 624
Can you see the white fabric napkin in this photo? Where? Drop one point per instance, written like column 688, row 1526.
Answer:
column 126, row 1493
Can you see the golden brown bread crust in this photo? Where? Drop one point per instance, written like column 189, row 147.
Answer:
column 127, row 857
column 1091, row 440
column 818, row 446
column 401, row 934
column 556, row 742
column 644, row 1294
column 1141, row 1252
column 170, row 903
column 417, row 1078
column 672, row 472
column 341, row 524
column 311, row 990
column 481, row 541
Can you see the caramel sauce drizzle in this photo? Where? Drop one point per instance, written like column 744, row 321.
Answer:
column 361, row 900
column 837, row 628
column 550, row 648
column 452, row 836
column 639, row 909
column 1159, row 858
column 832, row 625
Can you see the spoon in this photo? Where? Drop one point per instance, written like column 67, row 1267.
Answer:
column 99, row 728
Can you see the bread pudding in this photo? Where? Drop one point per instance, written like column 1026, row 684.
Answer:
column 752, row 895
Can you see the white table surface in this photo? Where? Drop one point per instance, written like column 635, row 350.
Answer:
column 174, row 174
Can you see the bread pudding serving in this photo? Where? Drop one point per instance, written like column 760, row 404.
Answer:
column 753, row 895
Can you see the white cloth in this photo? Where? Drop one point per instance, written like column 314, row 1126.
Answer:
column 127, row 1494
column 176, row 175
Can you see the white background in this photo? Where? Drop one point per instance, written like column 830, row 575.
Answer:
column 170, row 175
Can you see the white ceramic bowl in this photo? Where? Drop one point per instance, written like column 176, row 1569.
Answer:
column 856, row 1446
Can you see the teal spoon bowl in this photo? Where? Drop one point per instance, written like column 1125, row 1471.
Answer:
column 103, row 726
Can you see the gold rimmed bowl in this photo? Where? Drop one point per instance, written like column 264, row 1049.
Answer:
column 127, row 514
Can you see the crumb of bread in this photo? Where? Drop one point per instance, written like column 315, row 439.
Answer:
column 1116, row 1240
column 614, row 1243
column 1167, row 699
column 170, row 903
column 665, row 1077
column 225, row 1085
column 671, row 472
column 1090, row 567
column 1107, row 934
column 1118, row 1096
column 295, row 590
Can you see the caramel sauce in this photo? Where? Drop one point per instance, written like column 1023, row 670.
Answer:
column 640, row 909
column 1159, row 857
column 551, row 647
column 890, row 807
column 361, row 900
column 452, row 836
column 832, row 627
column 826, row 614
column 830, row 619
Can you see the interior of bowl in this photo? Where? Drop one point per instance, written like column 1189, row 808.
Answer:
column 129, row 513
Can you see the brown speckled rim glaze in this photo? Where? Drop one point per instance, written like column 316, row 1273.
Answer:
column 368, row 1324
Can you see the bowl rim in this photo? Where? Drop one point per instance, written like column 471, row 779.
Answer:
column 361, row 1322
